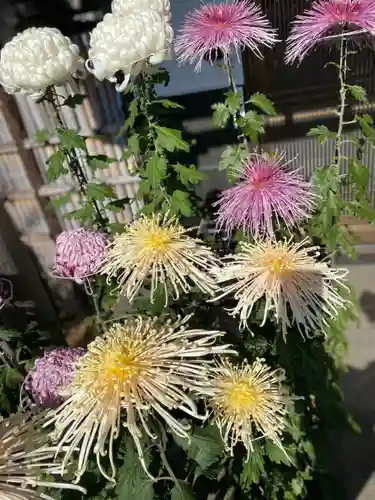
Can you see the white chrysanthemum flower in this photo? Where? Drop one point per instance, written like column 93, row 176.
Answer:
column 290, row 278
column 25, row 455
column 37, row 58
column 128, row 44
column 158, row 249
column 137, row 368
column 126, row 7
column 248, row 403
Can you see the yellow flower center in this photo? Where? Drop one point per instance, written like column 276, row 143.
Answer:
column 158, row 239
column 121, row 366
column 242, row 396
column 278, row 262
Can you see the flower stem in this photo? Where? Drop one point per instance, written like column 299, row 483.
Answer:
column 343, row 70
column 73, row 160
column 234, row 88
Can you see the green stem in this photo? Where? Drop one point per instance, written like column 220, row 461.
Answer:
column 234, row 88
column 343, row 70
column 73, row 160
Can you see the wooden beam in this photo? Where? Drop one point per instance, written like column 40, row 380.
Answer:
column 12, row 116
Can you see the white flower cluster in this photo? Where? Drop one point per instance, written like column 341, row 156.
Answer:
column 37, row 58
column 136, row 35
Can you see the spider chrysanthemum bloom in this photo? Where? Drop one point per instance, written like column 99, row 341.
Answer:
column 37, row 58
column 137, row 368
column 268, row 192
column 221, row 29
column 26, row 455
column 248, row 403
column 327, row 17
column 298, row 289
column 158, row 249
column 51, row 375
column 80, row 253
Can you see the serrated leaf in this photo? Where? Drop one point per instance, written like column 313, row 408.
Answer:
column 55, row 165
column 253, row 469
column 220, row 115
column 118, row 205
column 263, row 103
column 252, row 125
column 182, row 491
column 188, row 175
column 132, row 115
column 232, row 160
column 233, row 102
column 82, row 214
column 170, row 139
column 166, row 103
column 70, row 139
column 156, row 168
column 180, row 203
column 133, row 143
column 276, row 454
column 61, row 200
column 322, row 133
column 357, row 92
column 143, row 188
column 205, row 446
column 74, row 100
column 13, row 378
column 133, row 482
column 99, row 162
column 297, row 486
column 99, row 191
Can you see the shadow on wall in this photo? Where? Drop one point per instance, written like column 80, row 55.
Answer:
column 356, row 458
column 367, row 304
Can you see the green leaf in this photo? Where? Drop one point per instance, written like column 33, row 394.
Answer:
column 276, row 454
column 156, row 168
column 188, row 175
column 99, row 162
column 132, row 115
column 61, row 200
column 180, row 203
column 253, row 469
column 118, row 205
column 182, row 491
column 55, row 165
column 366, row 123
column 322, row 133
column 13, row 378
column 143, row 188
column 263, row 103
column 220, row 115
column 133, row 143
column 205, row 446
column 133, row 482
column 82, row 214
column 232, row 160
column 99, row 192
column 233, row 102
column 166, row 103
column 357, row 92
column 297, row 486
column 74, row 100
column 43, row 135
column 252, row 125
column 170, row 139
column 69, row 139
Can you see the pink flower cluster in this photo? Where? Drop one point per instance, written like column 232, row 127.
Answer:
column 327, row 17
column 80, row 253
column 267, row 193
column 51, row 374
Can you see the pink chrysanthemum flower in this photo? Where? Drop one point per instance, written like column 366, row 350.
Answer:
column 80, row 253
column 213, row 30
column 325, row 18
column 268, row 193
column 52, row 373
